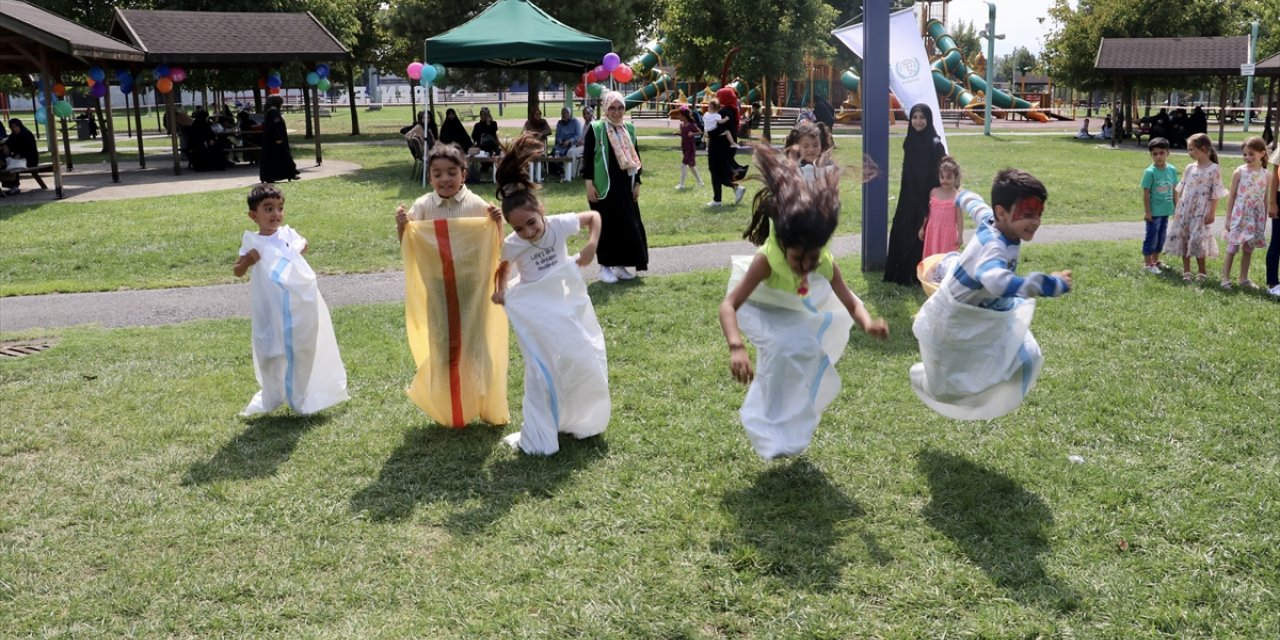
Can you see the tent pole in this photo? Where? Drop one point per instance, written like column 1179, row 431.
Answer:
column 137, row 121
column 315, row 109
column 109, row 135
column 173, row 132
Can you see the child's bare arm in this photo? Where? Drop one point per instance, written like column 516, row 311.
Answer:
column 739, row 361
column 1146, row 204
column 590, row 220
column 402, row 221
column 959, row 229
column 247, row 260
column 873, row 327
column 500, row 282
column 1231, row 198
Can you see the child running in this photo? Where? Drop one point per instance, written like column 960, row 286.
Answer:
column 805, row 145
column 943, row 230
column 1246, row 212
column 979, row 357
column 689, row 132
column 566, row 375
column 295, row 354
column 799, row 320
column 450, row 241
column 1159, row 199
column 1198, row 195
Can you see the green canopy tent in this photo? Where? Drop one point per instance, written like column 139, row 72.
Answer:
column 516, row 34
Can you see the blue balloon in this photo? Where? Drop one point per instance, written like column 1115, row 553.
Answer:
column 424, row 81
column 313, row 78
column 97, row 74
column 162, row 71
column 126, row 88
column 322, row 70
column 124, row 76
column 42, row 115
column 273, row 82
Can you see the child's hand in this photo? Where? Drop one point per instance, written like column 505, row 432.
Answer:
column 499, row 297
column 495, row 214
column 592, row 196
column 587, row 254
column 740, row 364
column 921, row 234
column 877, row 328
column 1147, row 216
column 1209, row 218
column 1065, row 276
column 252, row 258
column 402, row 215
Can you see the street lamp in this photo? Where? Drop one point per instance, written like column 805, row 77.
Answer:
column 991, row 36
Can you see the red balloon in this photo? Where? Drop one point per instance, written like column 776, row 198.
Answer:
column 622, row 73
column 579, row 91
column 262, row 83
column 273, row 90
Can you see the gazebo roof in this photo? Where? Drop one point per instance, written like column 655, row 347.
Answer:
column 1271, row 64
column 71, row 44
column 516, row 34
column 1205, row 56
column 228, row 39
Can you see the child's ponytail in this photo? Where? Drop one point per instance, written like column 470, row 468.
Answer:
column 804, row 214
column 515, row 189
column 1204, row 143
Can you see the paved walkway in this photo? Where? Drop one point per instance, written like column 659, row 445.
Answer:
column 169, row 306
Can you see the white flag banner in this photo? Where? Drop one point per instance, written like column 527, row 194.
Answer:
column 910, row 74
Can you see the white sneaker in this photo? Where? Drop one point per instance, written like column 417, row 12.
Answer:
column 715, row 204
column 1275, row 291
column 738, row 192
column 679, row 187
column 1152, row 269
column 623, row 273
column 607, row 276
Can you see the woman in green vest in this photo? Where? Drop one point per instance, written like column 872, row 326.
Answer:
column 611, row 166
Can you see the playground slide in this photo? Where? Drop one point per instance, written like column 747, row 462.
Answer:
column 646, row 64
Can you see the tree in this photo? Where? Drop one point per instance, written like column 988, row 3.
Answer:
column 1014, row 65
column 966, row 37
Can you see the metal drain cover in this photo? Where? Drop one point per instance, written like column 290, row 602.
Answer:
column 21, row 348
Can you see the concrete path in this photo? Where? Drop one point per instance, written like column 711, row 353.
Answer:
column 169, row 306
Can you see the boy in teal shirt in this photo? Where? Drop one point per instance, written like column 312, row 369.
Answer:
column 1159, row 199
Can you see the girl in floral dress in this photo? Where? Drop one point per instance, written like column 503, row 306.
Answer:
column 1190, row 233
column 1247, row 211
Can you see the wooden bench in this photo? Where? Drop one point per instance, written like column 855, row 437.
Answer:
column 9, row 174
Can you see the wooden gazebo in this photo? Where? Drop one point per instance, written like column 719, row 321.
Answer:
column 33, row 39
column 229, row 40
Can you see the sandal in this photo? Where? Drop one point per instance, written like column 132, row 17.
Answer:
column 1186, row 276
column 1248, row 284
column 1201, row 277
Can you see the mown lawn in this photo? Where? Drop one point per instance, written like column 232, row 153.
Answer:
column 190, row 239
column 134, row 502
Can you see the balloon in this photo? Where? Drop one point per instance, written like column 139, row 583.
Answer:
column 97, row 74
column 273, row 82
column 62, row 109
column 579, row 91
column 262, row 83
column 313, row 78
column 42, row 115
column 323, row 85
column 623, row 73
column 439, row 71
column 601, row 74
column 88, row 81
column 414, row 70
column 274, row 90
column 126, row 89
column 98, row 90
column 611, row 61
column 274, row 73
column 177, row 74
column 429, row 74
column 595, row 90
column 164, row 85
column 424, row 82
column 162, row 71
column 124, row 76
column 323, row 70
column 59, row 90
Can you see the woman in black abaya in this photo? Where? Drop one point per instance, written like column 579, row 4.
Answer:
column 276, row 162
column 921, row 152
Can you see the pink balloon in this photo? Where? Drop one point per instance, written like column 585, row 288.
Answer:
column 177, row 74
column 601, row 74
column 414, row 70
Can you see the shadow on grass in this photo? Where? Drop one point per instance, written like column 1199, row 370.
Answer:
column 435, row 465
column 787, row 526
column 1172, row 277
column 257, row 452
column 897, row 305
column 1000, row 526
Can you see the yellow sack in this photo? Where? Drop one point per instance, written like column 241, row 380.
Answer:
column 457, row 334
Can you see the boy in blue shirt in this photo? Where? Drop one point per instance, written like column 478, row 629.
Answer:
column 1159, row 199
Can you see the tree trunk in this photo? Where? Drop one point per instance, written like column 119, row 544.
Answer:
column 307, row 106
column 351, row 100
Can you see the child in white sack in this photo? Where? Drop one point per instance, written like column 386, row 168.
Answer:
column 295, row 354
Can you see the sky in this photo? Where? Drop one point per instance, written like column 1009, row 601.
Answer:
column 1016, row 19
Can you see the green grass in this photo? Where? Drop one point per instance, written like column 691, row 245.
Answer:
column 133, row 501
column 190, row 239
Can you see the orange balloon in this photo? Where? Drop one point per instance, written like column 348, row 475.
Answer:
column 59, row 90
column 90, row 81
column 164, row 85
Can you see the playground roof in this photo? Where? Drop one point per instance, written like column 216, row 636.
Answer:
column 227, row 39
column 516, row 34
column 1207, row 56
column 1271, row 64
column 28, row 32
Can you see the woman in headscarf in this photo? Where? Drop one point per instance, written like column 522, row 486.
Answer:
column 21, row 144
column 611, row 167
column 721, row 145
column 921, row 152
column 485, row 133
column 276, row 162
column 453, row 131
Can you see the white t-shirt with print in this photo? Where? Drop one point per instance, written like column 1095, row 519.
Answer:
column 533, row 260
column 285, row 239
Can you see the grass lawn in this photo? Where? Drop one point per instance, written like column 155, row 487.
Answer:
column 133, row 501
column 191, row 239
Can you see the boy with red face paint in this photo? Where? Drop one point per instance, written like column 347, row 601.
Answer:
column 979, row 357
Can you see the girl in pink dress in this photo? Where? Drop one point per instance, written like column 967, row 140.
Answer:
column 689, row 132
column 1190, row 232
column 943, row 229
column 1247, row 211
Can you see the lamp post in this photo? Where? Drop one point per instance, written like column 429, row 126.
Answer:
column 1248, row 85
column 990, row 35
